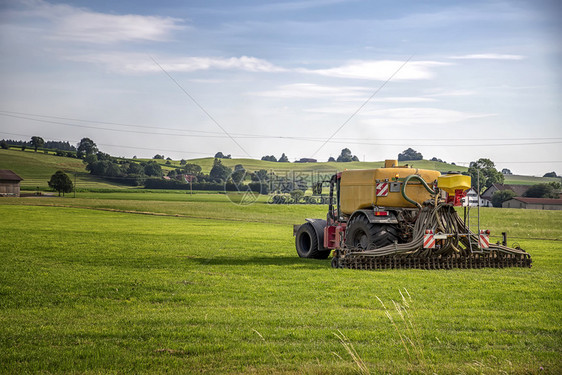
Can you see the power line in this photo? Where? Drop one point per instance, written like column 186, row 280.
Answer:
column 308, row 139
column 206, row 153
column 264, row 136
column 121, row 146
column 200, row 107
column 362, row 105
column 107, row 123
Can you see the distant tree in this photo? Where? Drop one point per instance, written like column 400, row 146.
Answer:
column 90, row 159
column 436, row 159
column 59, row 145
column 506, row 171
column 501, row 196
column 37, row 142
column 173, row 173
column 485, row 168
column 86, row 147
column 23, row 147
column 134, row 156
column 135, row 168
column 238, row 174
column 183, row 162
column 260, row 176
column 114, row 170
column 103, row 156
column 153, row 169
column 346, row 156
column 544, row 190
column 98, row 167
column 169, row 158
column 269, row 158
column 61, row 183
column 550, row 174
column 4, row 145
column 158, row 156
column 168, row 162
column 219, row 172
column 409, row 154
column 331, row 159
column 283, row 159
column 220, row 155
column 192, row 169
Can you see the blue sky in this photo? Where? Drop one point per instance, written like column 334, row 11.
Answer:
column 454, row 80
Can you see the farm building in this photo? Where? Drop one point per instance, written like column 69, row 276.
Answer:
column 534, row 203
column 9, row 183
column 517, row 189
column 472, row 196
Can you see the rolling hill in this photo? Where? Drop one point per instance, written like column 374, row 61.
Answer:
column 37, row 167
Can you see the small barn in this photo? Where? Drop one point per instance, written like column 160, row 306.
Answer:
column 534, row 203
column 9, row 183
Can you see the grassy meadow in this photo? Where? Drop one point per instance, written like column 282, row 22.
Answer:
column 197, row 284
column 36, row 168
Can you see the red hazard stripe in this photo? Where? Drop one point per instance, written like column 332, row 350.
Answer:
column 382, row 189
column 484, row 241
column 428, row 241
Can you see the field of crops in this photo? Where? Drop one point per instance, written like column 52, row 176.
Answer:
column 197, row 284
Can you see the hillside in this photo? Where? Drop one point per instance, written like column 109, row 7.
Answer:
column 254, row 165
column 37, row 168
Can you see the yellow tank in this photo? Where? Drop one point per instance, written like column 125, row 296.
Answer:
column 358, row 188
column 452, row 182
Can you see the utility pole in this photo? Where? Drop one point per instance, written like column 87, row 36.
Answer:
column 74, row 184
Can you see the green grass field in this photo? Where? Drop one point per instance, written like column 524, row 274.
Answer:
column 87, row 286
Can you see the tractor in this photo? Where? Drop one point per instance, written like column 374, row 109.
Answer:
column 401, row 217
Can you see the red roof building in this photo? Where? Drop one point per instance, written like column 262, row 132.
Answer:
column 534, row 203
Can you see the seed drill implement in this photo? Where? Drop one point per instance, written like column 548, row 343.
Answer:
column 402, row 217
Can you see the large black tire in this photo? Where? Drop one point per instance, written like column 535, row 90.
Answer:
column 362, row 235
column 306, row 242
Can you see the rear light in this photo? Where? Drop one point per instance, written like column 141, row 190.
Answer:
column 381, row 213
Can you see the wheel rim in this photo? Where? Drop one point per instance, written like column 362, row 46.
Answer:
column 360, row 240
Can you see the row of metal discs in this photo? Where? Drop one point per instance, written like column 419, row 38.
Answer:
column 492, row 259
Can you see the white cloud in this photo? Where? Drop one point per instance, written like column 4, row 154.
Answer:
column 403, row 99
column 405, row 116
column 439, row 92
column 342, row 93
column 489, row 56
column 419, row 116
column 382, row 70
column 310, row 90
column 141, row 63
column 83, row 25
